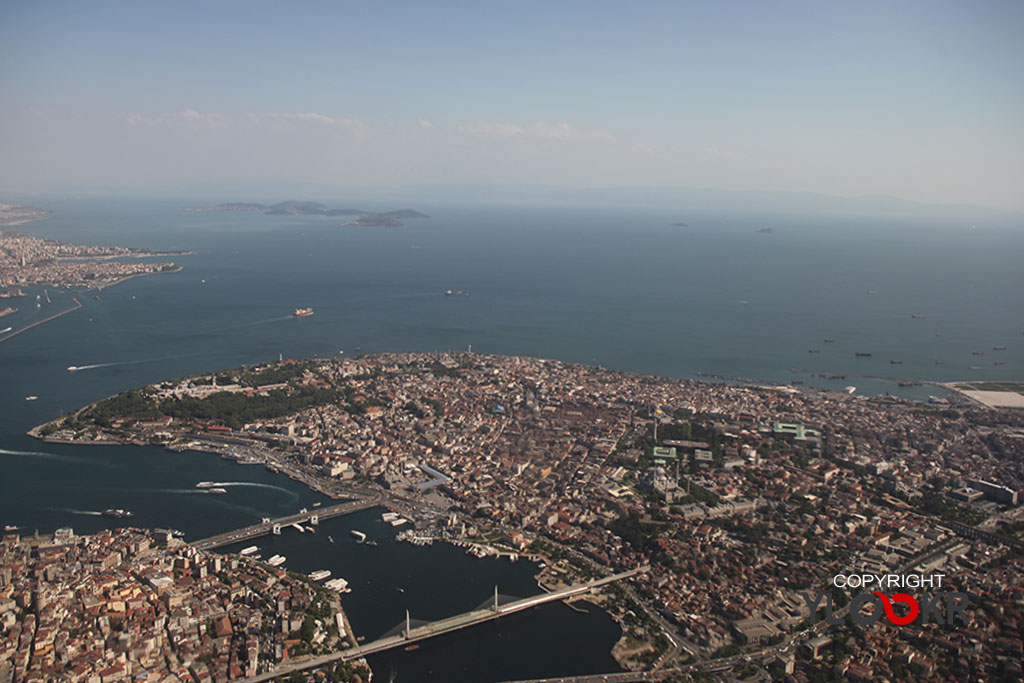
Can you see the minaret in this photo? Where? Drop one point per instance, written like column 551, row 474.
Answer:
column 408, row 629
column 495, row 597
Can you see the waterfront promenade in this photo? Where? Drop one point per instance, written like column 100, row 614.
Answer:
column 440, row 627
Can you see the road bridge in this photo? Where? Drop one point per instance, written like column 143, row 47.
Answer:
column 435, row 628
column 274, row 526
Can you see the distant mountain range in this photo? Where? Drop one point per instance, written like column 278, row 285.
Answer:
column 387, row 219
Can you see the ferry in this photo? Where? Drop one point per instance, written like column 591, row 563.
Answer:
column 117, row 513
column 216, row 489
column 10, row 527
column 206, row 484
column 248, row 551
column 389, row 516
column 320, row 574
column 6, row 330
column 399, row 522
column 358, row 535
column 73, row 368
column 303, row 312
column 276, row 560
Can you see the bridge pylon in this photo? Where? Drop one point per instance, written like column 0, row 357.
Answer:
column 277, row 529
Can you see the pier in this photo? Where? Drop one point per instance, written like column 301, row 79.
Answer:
column 411, row 634
column 275, row 526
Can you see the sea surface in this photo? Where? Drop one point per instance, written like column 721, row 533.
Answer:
column 618, row 287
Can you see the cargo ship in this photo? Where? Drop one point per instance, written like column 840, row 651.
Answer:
column 303, row 312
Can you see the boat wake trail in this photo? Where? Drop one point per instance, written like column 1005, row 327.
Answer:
column 87, row 513
column 41, row 455
column 265, row 321
column 225, row 484
column 78, row 368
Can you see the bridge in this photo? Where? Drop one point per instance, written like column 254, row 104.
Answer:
column 411, row 634
column 274, row 526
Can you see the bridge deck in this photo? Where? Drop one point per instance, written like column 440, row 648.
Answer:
column 436, row 628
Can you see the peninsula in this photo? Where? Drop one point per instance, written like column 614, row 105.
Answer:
column 12, row 214
column 26, row 260
column 385, row 219
column 742, row 500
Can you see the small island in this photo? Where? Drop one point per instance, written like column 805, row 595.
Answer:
column 374, row 219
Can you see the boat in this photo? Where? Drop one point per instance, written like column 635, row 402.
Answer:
column 248, row 551
column 338, row 585
column 331, row 539
column 872, row 291
column 117, row 513
column 205, row 484
column 31, row 398
column 276, row 560
column 895, row 362
column 10, row 527
column 358, row 535
column 73, row 368
column 399, row 522
column 455, row 292
column 998, row 348
column 216, row 489
column 850, row 390
column 410, row 648
column 862, row 354
column 6, row 330
column 830, row 341
column 372, row 543
column 389, row 516
column 320, row 574
column 977, row 353
column 303, row 312
column 918, row 316
column 813, row 350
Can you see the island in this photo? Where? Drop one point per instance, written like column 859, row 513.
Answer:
column 133, row 604
column 386, row 219
column 12, row 214
column 735, row 502
column 26, row 260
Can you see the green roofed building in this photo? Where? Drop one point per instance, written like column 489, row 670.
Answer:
column 798, row 432
column 661, row 454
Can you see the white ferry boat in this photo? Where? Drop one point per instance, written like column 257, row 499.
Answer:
column 389, row 516
column 320, row 574
column 399, row 522
column 276, row 560
column 358, row 535
column 248, row 551
column 339, row 585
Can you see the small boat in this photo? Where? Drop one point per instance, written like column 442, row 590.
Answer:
column 998, row 348
column 410, row 648
column 918, row 316
column 6, row 330
column 117, row 513
column 303, row 312
column 331, row 539
column 320, row 574
column 830, row 341
column 248, row 551
column 205, row 484
column 31, row 398
column 276, row 560
column 358, row 535
column 813, row 350
column 977, row 353
column 73, row 368
column 862, row 354
column 216, row 489
column 895, row 362
column 10, row 527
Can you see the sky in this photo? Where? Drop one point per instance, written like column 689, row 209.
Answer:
column 922, row 100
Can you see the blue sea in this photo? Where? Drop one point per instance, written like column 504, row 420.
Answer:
column 730, row 293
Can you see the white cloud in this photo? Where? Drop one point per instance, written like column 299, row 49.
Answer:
column 541, row 130
column 426, row 125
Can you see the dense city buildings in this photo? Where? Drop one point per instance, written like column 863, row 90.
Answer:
column 738, row 502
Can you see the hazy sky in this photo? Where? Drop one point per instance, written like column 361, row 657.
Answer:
column 921, row 100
